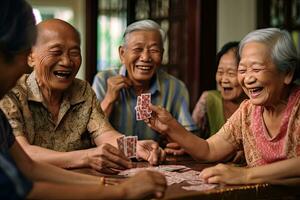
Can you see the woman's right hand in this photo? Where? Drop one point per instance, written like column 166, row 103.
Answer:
column 145, row 184
column 160, row 119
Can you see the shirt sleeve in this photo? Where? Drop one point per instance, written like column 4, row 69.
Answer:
column 6, row 132
column 99, row 86
column 231, row 131
column 14, row 185
column 9, row 105
column 98, row 123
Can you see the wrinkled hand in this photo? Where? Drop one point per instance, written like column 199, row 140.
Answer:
column 145, row 184
column 107, row 159
column 150, row 151
column 226, row 174
column 160, row 119
column 174, row 149
column 114, row 85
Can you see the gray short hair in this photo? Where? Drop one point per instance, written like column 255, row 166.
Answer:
column 282, row 49
column 143, row 25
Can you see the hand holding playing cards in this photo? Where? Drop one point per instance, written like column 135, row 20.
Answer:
column 150, row 151
column 107, row 159
column 160, row 119
column 146, row 184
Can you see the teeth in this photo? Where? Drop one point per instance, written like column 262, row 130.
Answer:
column 254, row 90
column 144, row 67
column 62, row 74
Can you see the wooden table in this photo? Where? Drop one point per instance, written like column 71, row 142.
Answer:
column 257, row 191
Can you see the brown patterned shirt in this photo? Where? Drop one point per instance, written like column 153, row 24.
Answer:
column 80, row 117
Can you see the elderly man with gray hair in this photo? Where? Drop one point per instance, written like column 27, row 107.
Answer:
column 141, row 57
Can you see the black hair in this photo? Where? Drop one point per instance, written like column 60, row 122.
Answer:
column 234, row 45
column 17, row 28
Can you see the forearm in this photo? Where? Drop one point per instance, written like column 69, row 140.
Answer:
column 106, row 106
column 109, row 136
column 213, row 149
column 67, row 160
column 282, row 172
column 59, row 191
column 58, row 175
column 39, row 171
column 192, row 144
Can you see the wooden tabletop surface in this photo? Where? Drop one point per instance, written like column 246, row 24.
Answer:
column 175, row 191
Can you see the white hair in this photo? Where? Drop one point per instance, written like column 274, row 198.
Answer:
column 282, row 49
column 143, row 25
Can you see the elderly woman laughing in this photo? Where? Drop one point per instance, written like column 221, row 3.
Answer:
column 266, row 127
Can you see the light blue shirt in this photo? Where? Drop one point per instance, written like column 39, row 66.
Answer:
column 166, row 91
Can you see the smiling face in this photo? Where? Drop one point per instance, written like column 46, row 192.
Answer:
column 261, row 80
column 142, row 55
column 226, row 77
column 56, row 56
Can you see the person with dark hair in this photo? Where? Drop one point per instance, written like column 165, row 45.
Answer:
column 20, row 176
column 266, row 126
column 214, row 107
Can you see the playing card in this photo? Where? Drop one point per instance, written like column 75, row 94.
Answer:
column 174, row 168
column 130, row 144
column 121, row 144
column 127, row 145
column 142, row 108
column 145, row 101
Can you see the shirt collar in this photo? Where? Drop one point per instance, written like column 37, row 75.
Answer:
column 72, row 94
column 154, row 84
column 34, row 93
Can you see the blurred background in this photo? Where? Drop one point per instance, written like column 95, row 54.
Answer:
column 196, row 29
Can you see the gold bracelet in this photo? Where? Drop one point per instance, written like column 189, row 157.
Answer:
column 102, row 180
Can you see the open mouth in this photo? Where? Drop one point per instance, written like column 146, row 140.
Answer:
column 255, row 91
column 62, row 74
column 227, row 89
column 143, row 67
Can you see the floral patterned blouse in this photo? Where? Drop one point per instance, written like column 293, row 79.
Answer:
column 246, row 130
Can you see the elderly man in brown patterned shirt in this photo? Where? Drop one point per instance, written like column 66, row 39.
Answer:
column 56, row 117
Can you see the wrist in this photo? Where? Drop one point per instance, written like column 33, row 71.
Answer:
column 106, row 105
column 86, row 157
column 251, row 178
column 173, row 126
